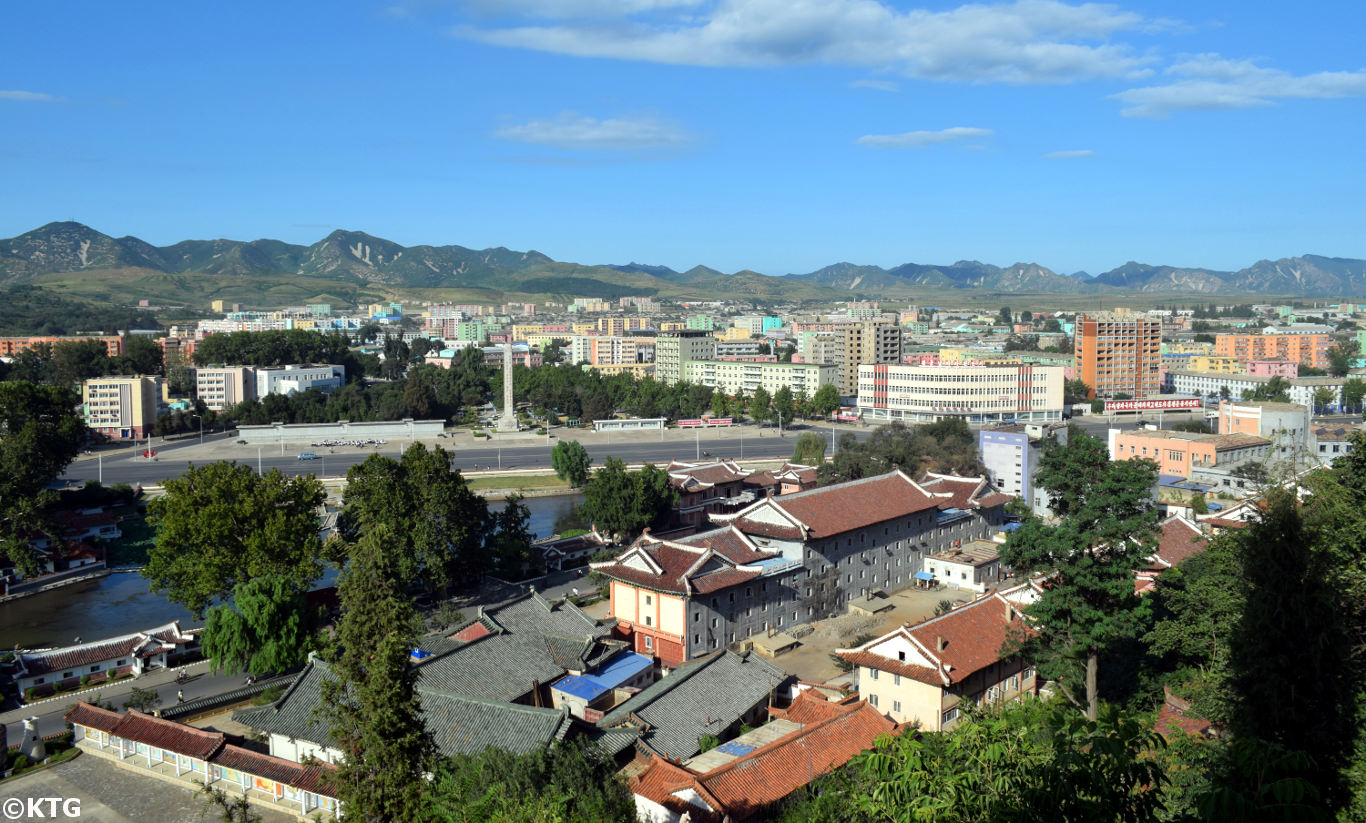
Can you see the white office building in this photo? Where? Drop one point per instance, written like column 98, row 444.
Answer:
column 296, row 378
column 980, row 394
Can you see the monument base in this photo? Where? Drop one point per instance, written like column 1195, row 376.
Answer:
column 507, row 424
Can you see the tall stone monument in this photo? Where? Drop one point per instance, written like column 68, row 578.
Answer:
column 508, row 421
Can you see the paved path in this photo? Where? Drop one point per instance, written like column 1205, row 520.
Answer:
column 110, row 794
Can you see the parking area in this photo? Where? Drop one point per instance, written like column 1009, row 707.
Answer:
column 109, row 793
column 811, row 662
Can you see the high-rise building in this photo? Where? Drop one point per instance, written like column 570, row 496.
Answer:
column 1119, row 354
column 120, row 408
column 1305, row 349
column 675, row 349
column 864, row 344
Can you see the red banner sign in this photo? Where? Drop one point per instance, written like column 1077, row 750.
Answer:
column 689, row 423
column 719, row 421
column 1152, row 405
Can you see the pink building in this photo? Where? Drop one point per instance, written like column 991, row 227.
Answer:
column 1273, row 367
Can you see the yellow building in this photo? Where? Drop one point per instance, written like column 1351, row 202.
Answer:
column 1217, row 364
column 733, row 333
column 120, row 408
column 672, row 325
column 1179, row 347
column 636, row 370
column 584, row 328
column 520, row 331
column 923, row 673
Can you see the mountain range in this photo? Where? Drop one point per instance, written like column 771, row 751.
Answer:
column 359, row 264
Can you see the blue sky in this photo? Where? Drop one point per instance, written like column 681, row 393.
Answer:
column 777, row 135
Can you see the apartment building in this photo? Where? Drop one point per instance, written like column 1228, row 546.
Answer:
column 1119, row 354
column 977, row 393
column 11, row 346
column 296, row 378
column 1305, row 349
column 733, row 377
column 1208, row 384
column 860, row 344
column 603, row 350
column 222, row 386
column 1180, row 453
column 1011, row 453
column 1286, row 425
column 121, row 408
column 673, row 350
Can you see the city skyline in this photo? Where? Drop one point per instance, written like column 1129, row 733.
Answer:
column 780, row 137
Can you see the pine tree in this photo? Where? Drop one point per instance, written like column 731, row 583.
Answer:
column 373, row 704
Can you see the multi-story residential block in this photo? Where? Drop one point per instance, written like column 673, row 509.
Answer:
column 1273, row 367
column 1119, row 354
column 121, row 408
column 1305, row 349
column 1286, row 425
column 11, row 346
column 700, row 322
column 737, row 348
column 979, row 394
column 1011, row 453
column 861, row 344
column 787, row 560
column 925, row 673
column 1205, row 384
column 675, row 349
column 1180, row 453
column 733, row 377
column 615, row 326
column 222, row 386
column 1220, row 364
column 603, row 350
column 177, row 351
column 297, row 378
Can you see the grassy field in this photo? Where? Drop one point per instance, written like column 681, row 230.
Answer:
column 538, row 482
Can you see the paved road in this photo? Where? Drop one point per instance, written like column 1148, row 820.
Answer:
column 49, row 714
column 124, row 465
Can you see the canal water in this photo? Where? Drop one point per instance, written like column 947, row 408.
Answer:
column 121, row 602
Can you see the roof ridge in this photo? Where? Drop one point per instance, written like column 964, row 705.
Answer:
column 488, row 701
column 802, row 730
column 663, row 686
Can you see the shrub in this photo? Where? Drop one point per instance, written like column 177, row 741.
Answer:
column 85, row 680
column 29, row 694
column 20, row 762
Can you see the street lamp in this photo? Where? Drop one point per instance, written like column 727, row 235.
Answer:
column 201, row 427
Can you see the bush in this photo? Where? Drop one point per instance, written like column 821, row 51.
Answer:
column 20, row 762
column 85, row 680
column 29, row 694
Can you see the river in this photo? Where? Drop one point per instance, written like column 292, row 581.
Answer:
column 121, row 603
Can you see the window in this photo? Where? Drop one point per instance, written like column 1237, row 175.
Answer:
column 649, row 621
column 714, row 622
column 649, row 600
column 1028, row 672
column 696, row 616
column 872, row 700
column 896, row 706
column 697, row 640
column 649, row 642
column 94, row 669
column 65, row 675
column 950, row 715
column 872, row 674
column 39, row 681
column 896, row 681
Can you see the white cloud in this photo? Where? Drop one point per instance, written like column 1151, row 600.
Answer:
column 879, row 85
column 569, row 9
column 1027, row 41
column 571, row 130
column 920, row 139
column 1209, row 81
column 32, row 96
column 1069, row 154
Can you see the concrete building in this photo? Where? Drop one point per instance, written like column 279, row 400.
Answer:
column 1012, row 452
column 673, row 350
column 223, row 386
column 1119, row 354
column 861, row 344
column 732, row 377
column 604, row 350
column 1181, row 453
column 1309, row 349
column 296, row 378
column 1273, row 367
column 788, row 560
column 979, row 394
column 11, row 346
column 1286, row 425
column 1206, row 384
column 121, row 408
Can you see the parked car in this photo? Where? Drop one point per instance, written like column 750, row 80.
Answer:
column 308, row 456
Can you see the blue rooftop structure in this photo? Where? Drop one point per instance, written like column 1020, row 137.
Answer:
column 620, row 669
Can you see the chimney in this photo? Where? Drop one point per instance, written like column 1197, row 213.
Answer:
column 939, row 642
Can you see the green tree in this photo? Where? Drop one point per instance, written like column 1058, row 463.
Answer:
column 784, row 407
column 221, row 524
column 1052, row 325
column 438, row 525
column 143, row 700
column 1005, row 315
column 510, row 540
column 826, row 400
column 234, row 808
column 1353, row 393
column 622, row 503
column 1276, row 390
column 809, row 449
column 720, row 403
column 1108, row 527
column 760, row 406
column 1198, row 504
column 269, row 628
column 735, row 407
column 40, row 434
column 571, row 462
column 141, row 355
column 371, row 699
column 1341, row 356
column 553, row 351
column 946, row 445
column 1075, row 391
column 565, row 783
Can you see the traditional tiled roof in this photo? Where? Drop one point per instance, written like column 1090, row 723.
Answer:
column 700, row 563
column 746, row 785
column 84, row 714
column 958, row 643
column 1172, row 719
column 307, row 777
column 98, row 651
column 694, row 476
column 812, row 707
column 704, row 696
column 966, row 492
column 1179, row 540
column 847, row 506
column 168, row 734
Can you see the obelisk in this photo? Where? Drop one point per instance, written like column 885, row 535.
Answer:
column 508, row 421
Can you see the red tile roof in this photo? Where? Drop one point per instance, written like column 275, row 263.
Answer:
column 743, row 787
column 695, row 475
column 93, row 717
column 872, row 660
column 847, row 506
column 169, row 735
column 1172, row 719
column 98, row 651
column 762, row 529
column 306, row 777
column 681, row 562
column 812, row 707
column 1179, row 540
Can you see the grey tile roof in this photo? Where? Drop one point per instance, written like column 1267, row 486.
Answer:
column 456, row 724
column 699, row 698
column 531, row 639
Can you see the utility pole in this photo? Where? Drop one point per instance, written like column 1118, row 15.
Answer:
column 100, row 458
column 258, row 462
column 697, row 438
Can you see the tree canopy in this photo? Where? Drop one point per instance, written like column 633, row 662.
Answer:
column 221, row 524
column 268, row 628
column 622, row 503
column 40, row 434
column 571, row 462
column 946, row 446
column 809, row 449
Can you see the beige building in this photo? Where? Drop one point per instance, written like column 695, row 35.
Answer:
column 733, row 377
column 926, row 673
column 980, row 394
column 869, row 343
column 223, row 386
column 675, row 349
column 121, row 408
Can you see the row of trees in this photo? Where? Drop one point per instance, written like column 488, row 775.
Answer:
column 40, row 434
column 945, row 446
column 69, row 362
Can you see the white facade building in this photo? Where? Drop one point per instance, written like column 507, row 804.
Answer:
column 296, row 378
column 980, row 394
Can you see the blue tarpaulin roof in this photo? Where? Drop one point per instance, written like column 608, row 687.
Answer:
column 618, row 670
column 1010, row 527
column 923, row 576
